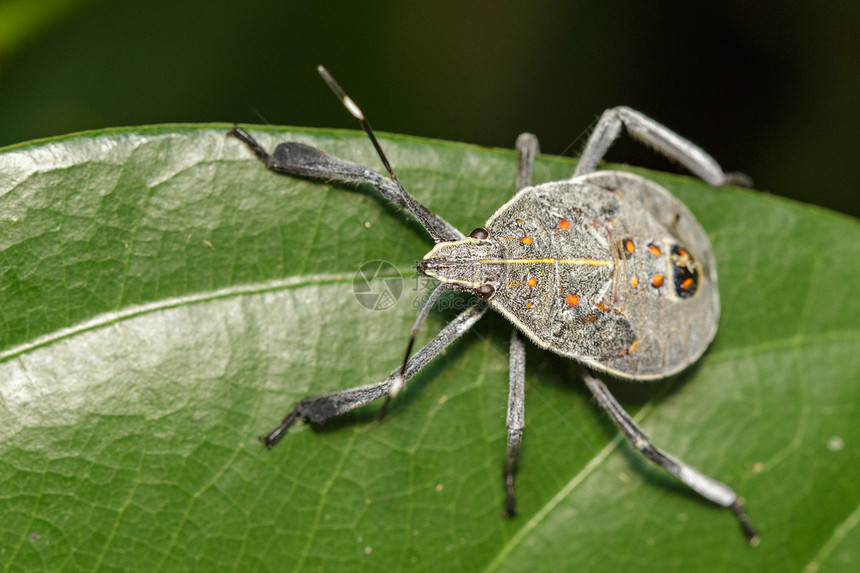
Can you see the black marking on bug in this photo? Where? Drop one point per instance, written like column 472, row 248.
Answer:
column 685, row 272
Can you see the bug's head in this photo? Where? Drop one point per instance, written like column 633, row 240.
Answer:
column 473, row 262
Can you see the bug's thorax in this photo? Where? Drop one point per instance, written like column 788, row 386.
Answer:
column 468, row 262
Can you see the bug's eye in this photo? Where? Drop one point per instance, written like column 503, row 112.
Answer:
column 479, row 233
column 486, row 291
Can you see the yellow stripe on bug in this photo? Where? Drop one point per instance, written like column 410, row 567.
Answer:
column 582, row 262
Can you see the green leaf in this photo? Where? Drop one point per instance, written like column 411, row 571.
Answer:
column 164, row 299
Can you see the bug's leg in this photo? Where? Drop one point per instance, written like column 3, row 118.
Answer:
column 705, row 486
column 527, row 149
column 318, row 409
column 299, row 159
column 658, row 136
column 515, row 419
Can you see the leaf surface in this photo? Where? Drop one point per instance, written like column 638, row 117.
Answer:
column 164, row 299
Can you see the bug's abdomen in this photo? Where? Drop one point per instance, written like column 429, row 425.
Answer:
column 666, row 285
column 609, row 269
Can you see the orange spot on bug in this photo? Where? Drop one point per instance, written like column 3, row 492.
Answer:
column 655, row 250
column 532, row 282
column 603, row 306
column 657, row 280
column 630, row 349
column 682, row 253
column 634, row 281
column 688, row 282
column 529, row 305
column 526, row 240
column 571, row 300
column 564, row 224
column 629, row 246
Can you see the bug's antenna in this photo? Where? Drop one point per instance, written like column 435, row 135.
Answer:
column 439, row 229
column 357, row 114
column 400, row 380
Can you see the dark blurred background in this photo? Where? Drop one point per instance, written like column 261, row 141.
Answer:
column 771, row 89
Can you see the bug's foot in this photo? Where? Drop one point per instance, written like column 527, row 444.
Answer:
column 246, row 138
column 750, row 532
column 275, row 435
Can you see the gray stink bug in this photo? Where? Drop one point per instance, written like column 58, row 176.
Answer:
column 607, row 268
